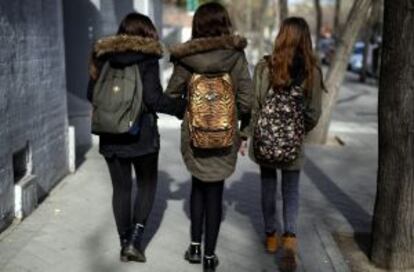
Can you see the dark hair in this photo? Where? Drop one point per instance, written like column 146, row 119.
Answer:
column 137, row 24
column 211, row 20
column 294, row 38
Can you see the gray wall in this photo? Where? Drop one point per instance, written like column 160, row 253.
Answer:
column 33, row 109
column 45, row 47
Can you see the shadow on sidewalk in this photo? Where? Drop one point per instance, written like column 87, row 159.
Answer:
column 184, row 193
column 244, row 195
column 98, row 259
column 356, row 216
column 353, row 97
column 160, row 205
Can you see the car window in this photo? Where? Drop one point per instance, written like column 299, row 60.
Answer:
column 359, row 50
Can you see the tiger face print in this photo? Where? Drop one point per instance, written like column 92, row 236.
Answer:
column 211, row 111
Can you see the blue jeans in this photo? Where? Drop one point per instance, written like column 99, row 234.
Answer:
column 290, row 196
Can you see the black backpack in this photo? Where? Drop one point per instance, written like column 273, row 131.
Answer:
column 117, row 100
column 280, row 129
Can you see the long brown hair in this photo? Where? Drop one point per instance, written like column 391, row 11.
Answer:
column 137, row 24
column 211, row 20
column 293, row 38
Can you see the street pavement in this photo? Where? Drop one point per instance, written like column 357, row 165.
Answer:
column 73, row 230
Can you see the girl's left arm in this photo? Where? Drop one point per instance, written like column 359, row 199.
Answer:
column 244, row 96
column 313, row 102
column 153, row 96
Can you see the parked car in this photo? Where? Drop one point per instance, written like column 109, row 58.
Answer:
column 356, row 61
column 326, row 51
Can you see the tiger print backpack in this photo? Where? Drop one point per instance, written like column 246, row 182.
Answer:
column 280, row 130
column 211, row 111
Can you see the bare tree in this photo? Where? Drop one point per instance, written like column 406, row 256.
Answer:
column 393, row 227
column 336, row 73
column 264, row 4
column 319, row 20
column 283, row 10
column 252, row 18
column 337, row 17
column 371, row 31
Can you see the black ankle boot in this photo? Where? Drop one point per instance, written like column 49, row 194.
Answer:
column 193, row 254
column 210, row 263
column 124, row 237
column 133, row 249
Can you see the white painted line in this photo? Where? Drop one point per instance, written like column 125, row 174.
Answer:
column 351, row 127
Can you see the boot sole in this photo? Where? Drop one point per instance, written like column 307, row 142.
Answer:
column 124, row 259
column 137, row 259
column 211, row 269
column 192, row 260
column 135, row 256
column 271, row 251
column 289, row 264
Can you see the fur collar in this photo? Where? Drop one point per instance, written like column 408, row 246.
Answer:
column 208, row 44
column 124, row 43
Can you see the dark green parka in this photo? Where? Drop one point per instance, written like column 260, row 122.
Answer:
column 209, row 56
column 261, row 82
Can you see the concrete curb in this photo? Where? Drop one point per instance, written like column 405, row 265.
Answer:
column 331, row 248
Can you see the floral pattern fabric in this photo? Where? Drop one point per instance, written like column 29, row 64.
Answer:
column 280, row 130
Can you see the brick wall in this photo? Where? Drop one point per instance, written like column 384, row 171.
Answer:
column 33, row 110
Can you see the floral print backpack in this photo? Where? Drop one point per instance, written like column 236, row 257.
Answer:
column 280, row 130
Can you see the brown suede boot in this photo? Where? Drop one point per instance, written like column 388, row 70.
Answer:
column 272, row 243
column 290, row 251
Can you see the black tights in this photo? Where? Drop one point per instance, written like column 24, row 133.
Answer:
column 146, row 169
column 206, row 206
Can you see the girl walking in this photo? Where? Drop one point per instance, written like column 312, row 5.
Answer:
column 291, row 67
column 136, row 44
column 211, row 71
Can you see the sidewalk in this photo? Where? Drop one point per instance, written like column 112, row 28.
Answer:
column 74, row 230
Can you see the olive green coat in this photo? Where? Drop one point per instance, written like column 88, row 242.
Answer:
column 211, row 55
column 261, row 82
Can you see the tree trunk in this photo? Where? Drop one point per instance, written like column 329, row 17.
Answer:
column 370, row 33
column 283, row 10
column 337, row 18
column 393, row 225
column 319, row 20
column 367, row 40
column 262, row 22
column 336, row 73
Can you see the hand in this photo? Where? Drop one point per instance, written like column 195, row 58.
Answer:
column 243, row 148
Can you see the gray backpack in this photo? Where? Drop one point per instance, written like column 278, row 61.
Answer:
column 117, row 100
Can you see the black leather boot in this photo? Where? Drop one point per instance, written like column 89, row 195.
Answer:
column 193, row 254
column 210, row 263
column 133, row 249
column 124, row 237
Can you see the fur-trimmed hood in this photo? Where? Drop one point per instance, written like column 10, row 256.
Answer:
column 210, row 55
column 126, row 43
column 201, row 45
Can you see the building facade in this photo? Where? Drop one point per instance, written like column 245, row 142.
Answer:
column 45, row 47
column 33, row 111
